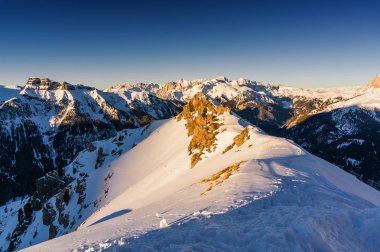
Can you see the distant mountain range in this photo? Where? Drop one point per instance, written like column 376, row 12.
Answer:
column 61, row 144
column 45, row 124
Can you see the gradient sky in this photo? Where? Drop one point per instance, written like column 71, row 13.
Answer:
column 298, row 43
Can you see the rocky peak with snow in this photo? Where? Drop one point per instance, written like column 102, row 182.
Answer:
column 68, row 140
column 245, row 182
column 44, row 84
column 120, row 87
column 202, row 123
column 139, row 87
column 376, row 82
column 151, row 87
column 221, row 79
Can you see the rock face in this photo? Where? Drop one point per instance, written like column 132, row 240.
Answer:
column 44, row 83
column 202, row 124
column 221, row 79
column 376, row 82
column 47, row 186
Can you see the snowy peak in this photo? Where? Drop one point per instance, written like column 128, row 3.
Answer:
column 139, row 87
column 189, row 171
column 221, row 79
column 120, row 87
column 184, row 90
column 45, row 84
column 244, row 180
column 376, row 82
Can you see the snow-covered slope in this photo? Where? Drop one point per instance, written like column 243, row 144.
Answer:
column 46, row 123
column 246, row 190
column 228, row 90
column 8, row 92
column 344, row 131
column 140, row 97
column 369, row 100
column 178, row 174
column 337, row 124
column 52, row 215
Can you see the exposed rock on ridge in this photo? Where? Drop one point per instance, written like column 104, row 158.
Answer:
column 376, row 82
column 202, row 123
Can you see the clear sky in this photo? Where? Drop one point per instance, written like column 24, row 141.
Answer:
column 299, row 43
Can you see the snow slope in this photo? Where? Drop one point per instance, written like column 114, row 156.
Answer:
column 321, row 93
column 83, row 166
column 279, row 198
column 8, row 92
column 368, row 100
column 243, row 88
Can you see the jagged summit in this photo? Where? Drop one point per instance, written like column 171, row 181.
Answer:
column 201, row 163
column 221, row 78
column 34, row 81
column 43, row 83
column 376, row 82
column 140, row 86
column 206, row 170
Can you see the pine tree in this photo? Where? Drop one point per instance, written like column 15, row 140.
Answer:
column 60, row 171
column 100, row 158
column 66, row 197
column 28, row 210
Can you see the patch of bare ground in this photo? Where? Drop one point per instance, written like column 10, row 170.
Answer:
column 239, row 140
column 220, row 177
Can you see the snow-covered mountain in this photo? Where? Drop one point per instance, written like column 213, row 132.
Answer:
column 376, row 82
column 205, row 180
column 338, row 124
column 270, row 106
column 70, row 154
column 44, row 124
column 48, row 213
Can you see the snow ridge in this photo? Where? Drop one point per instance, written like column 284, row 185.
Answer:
column 193, row 181
column 279, row 198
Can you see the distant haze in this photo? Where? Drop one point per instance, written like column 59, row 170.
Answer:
column 100, row 43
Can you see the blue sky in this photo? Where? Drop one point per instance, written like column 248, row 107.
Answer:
column 298, row 43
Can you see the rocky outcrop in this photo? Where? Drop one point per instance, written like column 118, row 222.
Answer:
column 202, row 124
column 46, row 84
column 220, row 177
column 49, row 215
column 47, row 186
column 25, row 218
column 239, row 140
column 376, row 82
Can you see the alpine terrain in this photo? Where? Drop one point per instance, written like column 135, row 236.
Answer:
column 209, row 164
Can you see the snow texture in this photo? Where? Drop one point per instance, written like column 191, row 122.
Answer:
column 281, row 199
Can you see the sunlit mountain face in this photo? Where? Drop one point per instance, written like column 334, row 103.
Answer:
column 148, row 161
column 130, row 138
